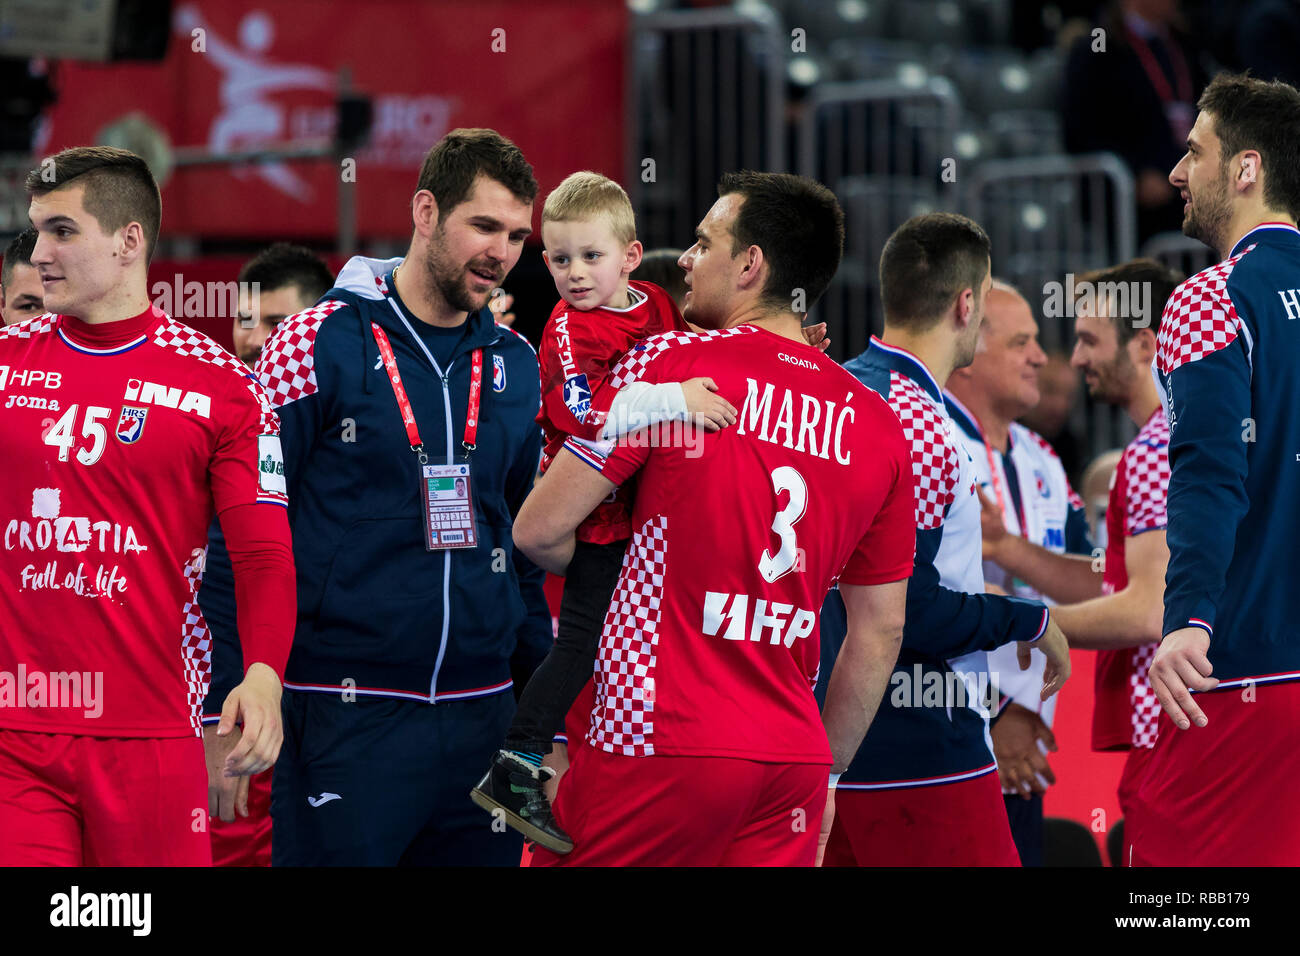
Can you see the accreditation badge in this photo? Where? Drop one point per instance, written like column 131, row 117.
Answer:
column 447, row 494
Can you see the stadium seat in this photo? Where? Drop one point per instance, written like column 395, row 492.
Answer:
column 1025, row 133
column 1068, row 843
column 862, row 59
column 1004, row 79
column 933, row 23
column 827, row 21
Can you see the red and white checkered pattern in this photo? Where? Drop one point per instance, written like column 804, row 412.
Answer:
column 935, row 464
column 185, row 341
column 287, row 367
column 1146, row 706
column 1199, row 318
column 634, row 364
column 1146, row 469
column 29, row 327
column 622, row 720
column 196, row 644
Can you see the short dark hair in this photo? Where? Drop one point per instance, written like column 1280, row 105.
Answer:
column 1161, row 279
column 18, row 251
column 799, row 225
column 1250, row 113
column 660, row 267
column 456, row 160
column 120, row 189
column 283, row 264
column 926, row 264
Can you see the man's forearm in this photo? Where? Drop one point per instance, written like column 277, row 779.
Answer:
column 1116, row 621
column 1065, row 578
column 857, row 684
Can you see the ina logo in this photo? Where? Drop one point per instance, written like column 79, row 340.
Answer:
column 269, row 466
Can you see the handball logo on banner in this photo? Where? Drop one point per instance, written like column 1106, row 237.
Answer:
column 577, row 396
column 498, row 374
column 247, row 115
column 130, row 424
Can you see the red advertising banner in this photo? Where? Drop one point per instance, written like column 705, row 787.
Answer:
column 241, row 75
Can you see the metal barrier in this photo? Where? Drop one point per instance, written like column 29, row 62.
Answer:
column 880, row 146
column 1053, row 215
column 13, row 195
column 1048, row 217
column 706, row 96
column 1189, row 256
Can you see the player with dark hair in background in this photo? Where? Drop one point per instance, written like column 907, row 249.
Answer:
column 21, row 294
column 135, row 430
column 1116, row 613
column 279, row 281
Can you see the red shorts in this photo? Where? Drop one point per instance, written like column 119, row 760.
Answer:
column 687, row 811
column 102, row 801
column 247, row 840
column 1135, row 768
column 1222, row 794
column 949, row 824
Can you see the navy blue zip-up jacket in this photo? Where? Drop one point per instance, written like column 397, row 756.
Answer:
column 1226, row 354
column 378, row 614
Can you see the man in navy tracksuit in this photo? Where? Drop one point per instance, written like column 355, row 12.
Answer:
column 412, row 603
column 1214, row 791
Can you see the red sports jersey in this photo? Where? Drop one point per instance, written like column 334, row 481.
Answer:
column 711, row 644
column 120, row 441
column 1126, row 707
column 579, row 351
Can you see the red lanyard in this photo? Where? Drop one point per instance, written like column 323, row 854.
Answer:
column 404, row 403
column 997, row 490
column 1157, row 76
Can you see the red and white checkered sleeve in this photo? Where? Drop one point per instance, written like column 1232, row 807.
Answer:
column 1146, row 463
column 935, row 465
column 1199, row 319
column 287, row 366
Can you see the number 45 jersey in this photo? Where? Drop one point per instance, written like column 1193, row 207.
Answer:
column 120, row 440
column 711, row 642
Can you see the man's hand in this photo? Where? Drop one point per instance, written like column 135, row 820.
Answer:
column 1057, row 650
column 828, row 821
column 993, row 529
column 1181, row 665
column 709, row 409
column 256, row 704
column 226, row 795
column 1022, row 767
column 815, row 335
column 557, row 760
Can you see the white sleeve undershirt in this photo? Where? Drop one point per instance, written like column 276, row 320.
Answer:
column 640, row 405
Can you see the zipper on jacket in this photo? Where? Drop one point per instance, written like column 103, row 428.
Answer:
column 446, row 555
